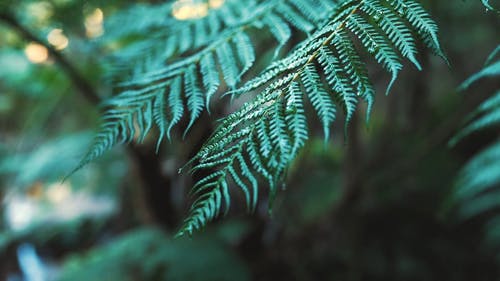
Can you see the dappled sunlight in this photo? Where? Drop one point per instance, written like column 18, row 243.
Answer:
column 36, row 53
column 58, row 192
column 94, row 24
column 54, row 203
column 214, row 4
column 57, row 39
column 192, row 9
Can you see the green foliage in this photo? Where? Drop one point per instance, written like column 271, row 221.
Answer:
column 479, row 180
column 487, row 4
column 44, row 163
column 370, row 210
column 266, row 134
column 161, row 37
column 157, row 96
column 263, row 137
column 157, row 258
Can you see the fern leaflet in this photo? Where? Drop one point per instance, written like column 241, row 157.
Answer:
column 231, row 49
column 267, row 133
column 478, row 182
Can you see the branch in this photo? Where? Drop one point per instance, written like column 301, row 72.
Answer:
column 78, row 80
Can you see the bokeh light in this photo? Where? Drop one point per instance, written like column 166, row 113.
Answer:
column 57, row 39
column 58, row 192
column 193, row 9
column 214, row 4
column 40, row 11
column 94, row 24
column 36, row 53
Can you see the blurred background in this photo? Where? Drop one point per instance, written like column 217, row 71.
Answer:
column 379, row 207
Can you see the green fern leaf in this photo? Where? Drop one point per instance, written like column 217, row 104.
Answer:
column 268, row 132
column 490, row 71
column 227, row 61
column 211, row 79
column 296, row 119
column 234, row 52
column 261, row 139
column 160, row 116
column 421, row 21
column 319, row 98
column 478, row 182
column 295, row 18
column 175, row 104
column 195, row 101
column 355, row 74
column 377, row 44
column 244, row 48
column 280, row 30
column 396, row 30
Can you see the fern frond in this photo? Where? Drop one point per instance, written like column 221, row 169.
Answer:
column 268, row 132
column 320, row 99
column 479, row 180
column 211, row 80
column 489, row 71
column 231, row 51
column 486, row 115
column 488, row 6
column 245, row 51
column 295, row 18
column 296, row 118
column 493, row 55
column 375, row 42
column 421, row 22
column 160, row 116
column 194, row 95
column 175, row 104
column 316, row 12
column 227, row 62
column 280, row 30
column 478, row 183
column 168, row 36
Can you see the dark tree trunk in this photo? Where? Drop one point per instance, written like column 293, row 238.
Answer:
column 157, row 187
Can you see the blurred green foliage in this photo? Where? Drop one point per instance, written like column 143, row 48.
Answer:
column 148, row 254
column 381, row 207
